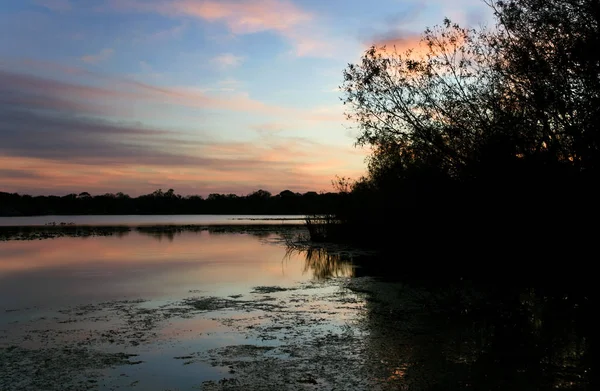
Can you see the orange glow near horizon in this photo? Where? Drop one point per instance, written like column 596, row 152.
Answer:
column 286, row 167
column 202, row 96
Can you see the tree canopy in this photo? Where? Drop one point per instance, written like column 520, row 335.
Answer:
column 504, row 116
column 169, row 202
column 526, row 90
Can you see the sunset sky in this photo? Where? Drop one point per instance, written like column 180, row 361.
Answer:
column 216, row 96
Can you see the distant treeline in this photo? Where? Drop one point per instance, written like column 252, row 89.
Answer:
column 160, row 202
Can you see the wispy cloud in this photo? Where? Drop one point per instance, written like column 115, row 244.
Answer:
column 101, row 56
column 117, row 94
column 242, row 17
column 69, row 154
column 54, row 5
column 246, row 16
column 51, row 130
column 227, row 60
column 19, row 174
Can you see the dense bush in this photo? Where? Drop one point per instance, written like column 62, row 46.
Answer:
column 485, row 141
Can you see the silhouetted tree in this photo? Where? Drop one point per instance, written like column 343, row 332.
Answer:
column 169, row 202
column 287, row 193
column 482, row 127
column 260, row 194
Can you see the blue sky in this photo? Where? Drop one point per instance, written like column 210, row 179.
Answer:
column 201, row 96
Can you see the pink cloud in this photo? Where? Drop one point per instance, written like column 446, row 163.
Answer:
column 409, row 44
column 241, row 16
column 98, row 156
column 401, row 43
column 278, row 167
column 245, row 17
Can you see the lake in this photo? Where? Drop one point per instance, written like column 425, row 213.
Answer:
column 135, row 220
column 155, row 310
column 237, row 308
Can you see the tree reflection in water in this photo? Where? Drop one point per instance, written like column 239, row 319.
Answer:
column 526, row 341
column 322, row 263
column 469, row 334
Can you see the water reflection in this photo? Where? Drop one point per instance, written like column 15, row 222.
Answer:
column 431, row 340
column 323, row 264
column 170, row 232
column 469, row 334
column 137, row 220
column 140, row 264
column 442, row 336
column 158, row 232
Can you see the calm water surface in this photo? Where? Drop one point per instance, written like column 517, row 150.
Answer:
column 170, row 300
column 222, row 310
column 133, row 220
column 72, row 270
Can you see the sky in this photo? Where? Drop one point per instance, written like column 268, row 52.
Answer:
column 202, row 96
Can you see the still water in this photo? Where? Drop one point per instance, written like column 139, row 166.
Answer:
column 235, row 309
column 161, row 312
column 71, row 270
column 136, row 220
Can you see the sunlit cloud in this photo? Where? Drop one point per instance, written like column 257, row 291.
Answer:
column 282, row 165
column 56, row 137
column 155, row 118
column 101, row 56
column 401, row 43
column 244, row 17
column 402, row 31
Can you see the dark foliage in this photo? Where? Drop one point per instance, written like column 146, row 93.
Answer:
column 485, row 142
column 443, row 332
column 159, row 202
